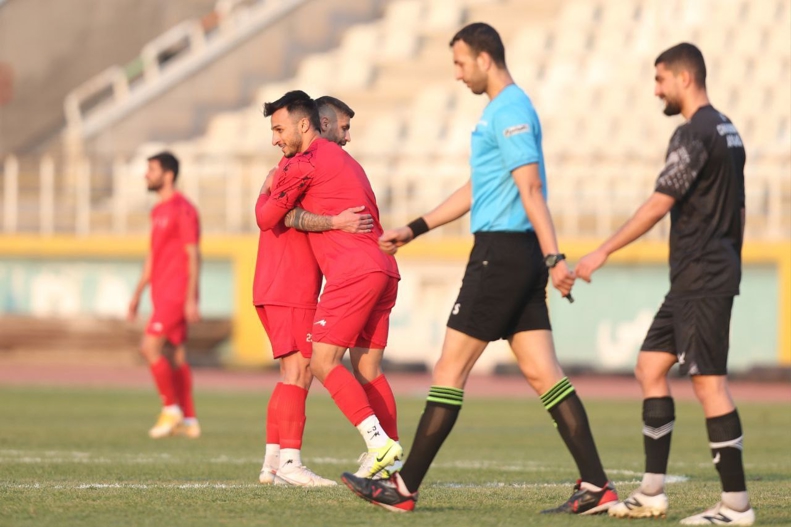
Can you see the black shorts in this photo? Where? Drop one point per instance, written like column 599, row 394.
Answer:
column 504, row 287
column 696, row 330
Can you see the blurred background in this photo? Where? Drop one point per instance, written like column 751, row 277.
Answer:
column 90, row 88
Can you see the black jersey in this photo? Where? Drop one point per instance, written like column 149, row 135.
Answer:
column 704, row 172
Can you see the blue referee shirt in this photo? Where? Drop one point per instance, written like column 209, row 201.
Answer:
column 507, row 136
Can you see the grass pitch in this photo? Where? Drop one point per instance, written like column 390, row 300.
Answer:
column 82, row 457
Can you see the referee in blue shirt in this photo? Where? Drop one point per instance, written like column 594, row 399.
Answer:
column 503, row 294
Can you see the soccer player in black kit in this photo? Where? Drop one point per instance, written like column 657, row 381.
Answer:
column 702, row 186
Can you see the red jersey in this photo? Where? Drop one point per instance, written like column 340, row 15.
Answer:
column 326, row 180
column 286, row 272
column 174, row 225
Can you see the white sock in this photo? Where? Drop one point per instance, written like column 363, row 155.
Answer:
column 373, row 433
column 737, row 501
column 653, row 484
column 272, row 456
column 189, row 421
column 290, row 458
column 171, row 409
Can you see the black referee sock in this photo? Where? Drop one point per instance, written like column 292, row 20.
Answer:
column 566, row 409
column 659, row 415
column 726, row 443
column 442, row 409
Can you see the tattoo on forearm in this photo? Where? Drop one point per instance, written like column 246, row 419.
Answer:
column 303, row 220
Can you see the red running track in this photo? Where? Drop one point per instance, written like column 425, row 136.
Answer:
column 407, row 384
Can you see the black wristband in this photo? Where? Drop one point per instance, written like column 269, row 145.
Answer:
column 418, row 226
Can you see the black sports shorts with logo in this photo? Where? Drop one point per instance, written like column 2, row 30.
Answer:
column 504, row 287
column 696, row 331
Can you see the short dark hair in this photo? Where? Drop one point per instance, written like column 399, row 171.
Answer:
column 482, row 38
column 328, row 100
column 168, row 162
column 685, row 56
column 297, row 102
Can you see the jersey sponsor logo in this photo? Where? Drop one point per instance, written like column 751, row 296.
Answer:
column 456, row 309
column 321, row 322
column 518, row 129
column 732, row 136
column 726, row 128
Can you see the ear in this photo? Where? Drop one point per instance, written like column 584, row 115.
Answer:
column 484, row 61
column 325, row 123
column 685, row 77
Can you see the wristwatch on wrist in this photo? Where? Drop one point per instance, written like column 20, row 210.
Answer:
column 553, row 259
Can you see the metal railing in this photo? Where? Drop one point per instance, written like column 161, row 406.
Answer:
column 92, row 196
column 166, row 61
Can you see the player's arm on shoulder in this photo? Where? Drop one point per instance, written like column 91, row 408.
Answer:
column 350, row 220
column 270, row 209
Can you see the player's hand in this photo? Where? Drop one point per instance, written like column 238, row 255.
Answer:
column 266, row 188
column 391, row 240
column 562, row 278
column 131, row 313
column 590, row 263
column 352, row 221
column 191, row 312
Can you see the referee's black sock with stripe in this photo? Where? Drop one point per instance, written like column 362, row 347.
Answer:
column 566, row 409
column 439, row 416
column 726, row 443
column 659, row 416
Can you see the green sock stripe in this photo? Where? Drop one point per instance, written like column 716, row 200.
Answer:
column 557, row 394
column 445, row 395
column 558, row 387
column 446, row 391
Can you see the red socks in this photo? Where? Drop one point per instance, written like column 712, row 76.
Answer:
column 291, row 415
column 163, row 377
column 182, row 383
column 348, row 395
column 272, row 428
column 382, row 401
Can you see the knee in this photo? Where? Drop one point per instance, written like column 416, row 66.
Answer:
column 647, row 376
column 318, row 368
column 447, row 373
column 366, row 374
column 147, row 353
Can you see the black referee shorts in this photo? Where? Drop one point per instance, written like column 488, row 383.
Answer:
column 504, row 287
column 696, row 331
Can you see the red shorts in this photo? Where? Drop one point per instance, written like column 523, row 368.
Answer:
column 168, row 321
column 356, row 313
column 288, row 329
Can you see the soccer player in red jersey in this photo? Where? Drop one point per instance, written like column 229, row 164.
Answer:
column 285, row 292
column 361, row 281
column 172, row 268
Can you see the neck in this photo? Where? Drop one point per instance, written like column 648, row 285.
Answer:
column 696, row 101
column 498, row 81
column 307, row 139
column 165, row 193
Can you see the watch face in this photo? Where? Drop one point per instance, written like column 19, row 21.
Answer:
column 551, row 260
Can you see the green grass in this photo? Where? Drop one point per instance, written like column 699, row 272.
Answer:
column 83, row 458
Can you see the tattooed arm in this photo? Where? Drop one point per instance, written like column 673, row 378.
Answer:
column 348, row 221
